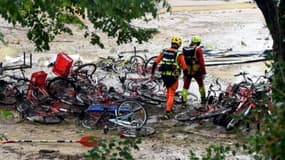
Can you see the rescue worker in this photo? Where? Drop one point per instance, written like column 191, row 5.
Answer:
column 194, row 59
column 171, row 63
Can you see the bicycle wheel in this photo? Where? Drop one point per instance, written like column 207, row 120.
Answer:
column 8, row 93
column 143, row 86
column 236, row 117
column 136, row 59
column 64, row 90
column 133, row 133
column 191, row 97
column 145, row 100
column 117, row 66
column 105, row 64
column 85, row 71
column 158, row 96
column 97, row 120
column 131, row 114
column 221, row 120
column 44, row 119
column 136, row 64
column 149, row 64
column 38, row 113
column 187, row 115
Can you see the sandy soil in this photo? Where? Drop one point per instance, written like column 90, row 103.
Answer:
column 222, row 27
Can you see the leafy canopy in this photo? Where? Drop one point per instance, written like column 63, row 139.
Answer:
column 47, row 18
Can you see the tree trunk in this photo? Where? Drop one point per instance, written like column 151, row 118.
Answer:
column 273, row 17
column 282, row 29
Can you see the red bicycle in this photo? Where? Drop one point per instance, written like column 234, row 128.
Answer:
column 213, row 107
column 248, row 96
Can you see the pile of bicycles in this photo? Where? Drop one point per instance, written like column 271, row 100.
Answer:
column 239, row 106
column 74, row 92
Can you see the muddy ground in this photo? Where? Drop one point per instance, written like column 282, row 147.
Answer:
column 235, row 28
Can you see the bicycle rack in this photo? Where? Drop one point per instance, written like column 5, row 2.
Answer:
column 22, row 66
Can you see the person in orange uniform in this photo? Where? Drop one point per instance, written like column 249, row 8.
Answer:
column 171, row 63
column 195, row 68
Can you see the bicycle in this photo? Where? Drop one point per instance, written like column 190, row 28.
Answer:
column 248, row 95
column 8, row 89
column 213, row 107
column 132, row 89
column 127, row 114
column 66, row 85
column 134, row 64
column 139, row 88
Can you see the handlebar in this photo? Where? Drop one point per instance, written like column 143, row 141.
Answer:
column 241, row 74
column 218, row 84
column 247, row 81
column 135, row 51
column 13, row 67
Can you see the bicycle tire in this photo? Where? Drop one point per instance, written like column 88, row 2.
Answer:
column 158, row 96
column 49, row 119
column 137, row 64
column 31, row 114
column 8, row 94
column 149, row 64
column 137, row 59
column 189, row 115
column 235, row 121
column 105, row 64
column 143, row 86
column 221, row 120
column 191, row 97
column 63, row 89
column 145, row 100
column 133, row 133
column 131, row 113
column 97, row 121
column 206, row 115
column 118, row 66
column 88, row 93
column 86, row 70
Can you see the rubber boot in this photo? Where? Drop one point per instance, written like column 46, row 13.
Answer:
column 184, row 98
column 202, row 94
column 167, row 115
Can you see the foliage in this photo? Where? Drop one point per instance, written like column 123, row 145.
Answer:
column 2, row 39
column 214, row 152
column 2, row 137
column 269, row 141
column 114, row 149
column 279, row 81
column 6, row 114
column 46, row 19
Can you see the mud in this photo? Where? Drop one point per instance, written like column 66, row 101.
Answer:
column 236, row 28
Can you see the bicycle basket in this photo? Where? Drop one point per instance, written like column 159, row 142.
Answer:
column 38, row 79
column 62, row 64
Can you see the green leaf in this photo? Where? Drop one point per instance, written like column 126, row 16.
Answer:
column 6, row 114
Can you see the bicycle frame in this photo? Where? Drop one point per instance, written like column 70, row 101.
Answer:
column 120, row 114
